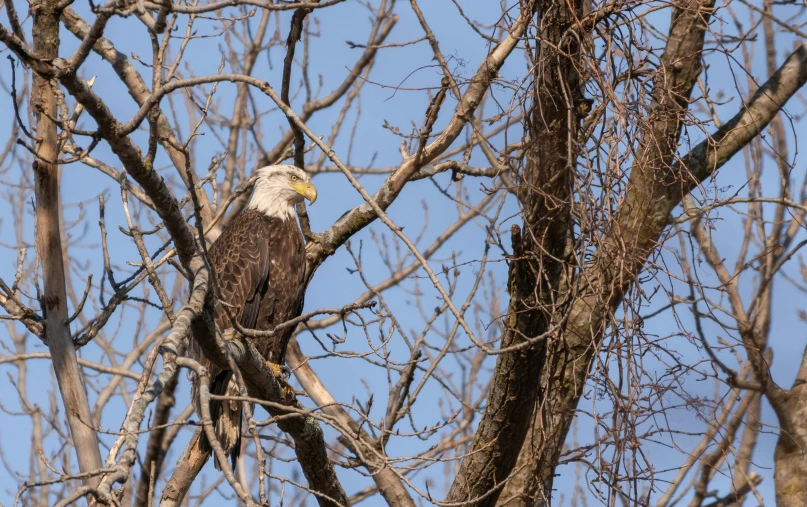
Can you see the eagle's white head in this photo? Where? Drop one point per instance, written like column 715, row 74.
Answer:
column 278, row 188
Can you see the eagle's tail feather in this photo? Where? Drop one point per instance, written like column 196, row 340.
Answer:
column 226, row 416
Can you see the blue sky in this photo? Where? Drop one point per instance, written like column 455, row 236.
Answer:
column 334, row 285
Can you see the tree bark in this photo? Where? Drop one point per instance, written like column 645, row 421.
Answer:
column 537, row 264
column 790, row 456
column 49, row 248
column 188, row 466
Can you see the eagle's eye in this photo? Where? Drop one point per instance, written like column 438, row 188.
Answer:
column 293, row 177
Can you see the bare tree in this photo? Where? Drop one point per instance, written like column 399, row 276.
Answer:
column 548, row 241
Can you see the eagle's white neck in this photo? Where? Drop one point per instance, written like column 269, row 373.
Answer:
column 271, row 199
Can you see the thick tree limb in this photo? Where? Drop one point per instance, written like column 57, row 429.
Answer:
column 388, row 483
column 607, row 284
column 140, row 93
column 640, row 220
column 145, row 393
column 309, row 441
column 758, row 111
column 49, row 249
column 188, row 466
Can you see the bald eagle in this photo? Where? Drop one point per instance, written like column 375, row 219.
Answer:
column 259, row 266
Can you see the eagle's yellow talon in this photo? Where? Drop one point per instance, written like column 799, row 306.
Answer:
column 281, row 373
column 277, row 370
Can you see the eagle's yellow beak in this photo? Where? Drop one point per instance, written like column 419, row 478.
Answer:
column 305, row 189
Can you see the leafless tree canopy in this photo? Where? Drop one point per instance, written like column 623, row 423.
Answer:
column 556, row 258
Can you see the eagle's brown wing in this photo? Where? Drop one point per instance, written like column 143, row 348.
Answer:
column 241, row 261
column 285, row 288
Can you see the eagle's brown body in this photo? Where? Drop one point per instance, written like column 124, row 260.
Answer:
column 259, row 265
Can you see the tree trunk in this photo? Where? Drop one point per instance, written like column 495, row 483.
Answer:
column 49, row 248
column 641, row 219
column 537, row 265
column 790, row 475
column 790, row 456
